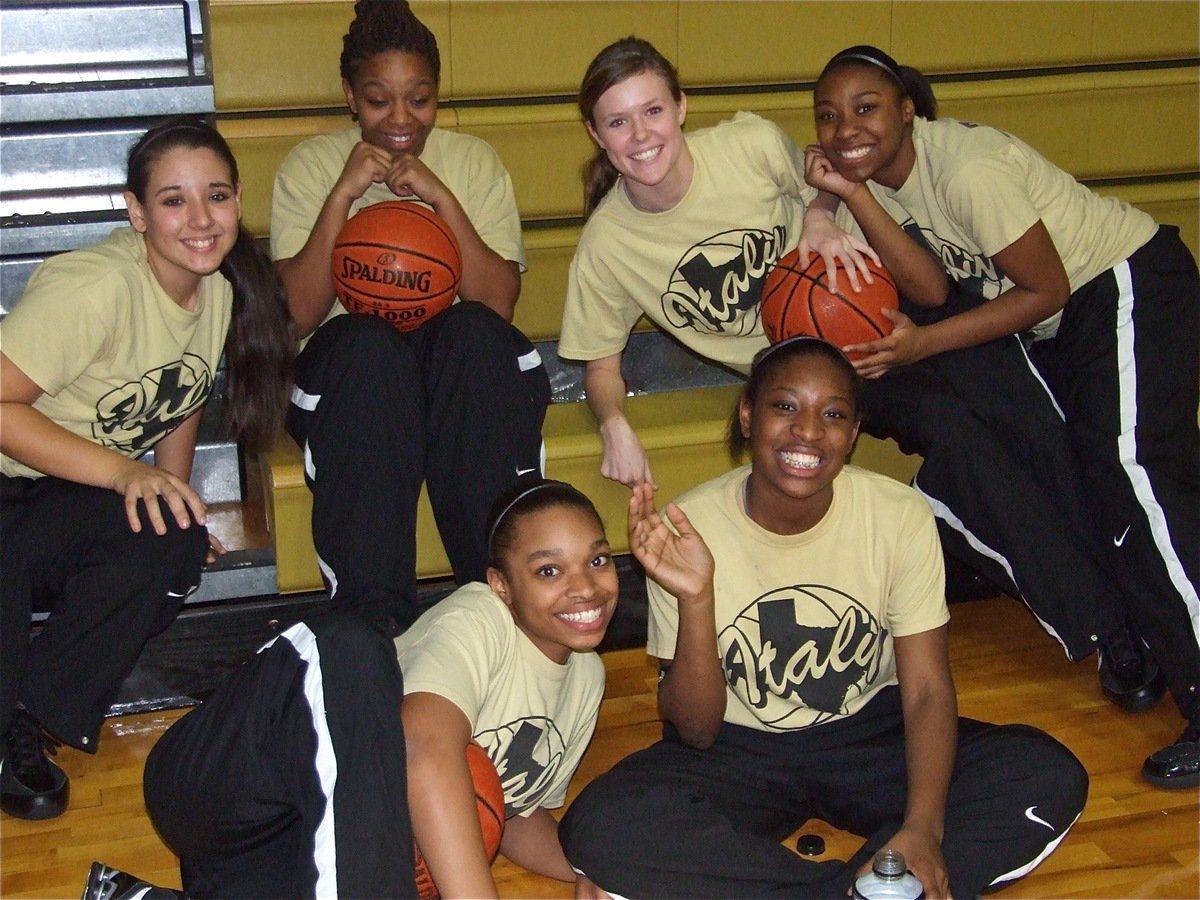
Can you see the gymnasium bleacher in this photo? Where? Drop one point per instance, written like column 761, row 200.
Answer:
column 1107, row 90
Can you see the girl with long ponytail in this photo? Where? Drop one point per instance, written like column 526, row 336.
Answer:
column 112, row 351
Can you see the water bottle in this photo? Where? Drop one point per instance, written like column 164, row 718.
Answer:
column 889, row 879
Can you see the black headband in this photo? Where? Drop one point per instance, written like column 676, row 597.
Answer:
column 761, row 356
column 868, row 54
column 542, row 484
column 156, row 134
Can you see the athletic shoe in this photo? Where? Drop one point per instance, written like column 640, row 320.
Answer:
column 31, row 786
column 106, row 883
column 1129, row 676
column 1176, row 765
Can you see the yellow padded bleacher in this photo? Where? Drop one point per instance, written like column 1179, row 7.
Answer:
column 1095, row 125
column 1135, row 121
column 283, row 55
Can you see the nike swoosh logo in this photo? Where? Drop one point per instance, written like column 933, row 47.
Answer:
column 1032, row 818
column 1117, row 542
column 521, row 471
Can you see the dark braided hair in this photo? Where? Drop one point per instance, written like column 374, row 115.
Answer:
column 260, row 346
column 383, row 25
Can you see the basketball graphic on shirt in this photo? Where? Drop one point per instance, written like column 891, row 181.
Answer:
column 797, row 654
column 132, row 417
column 716, row 285
column 528, row 753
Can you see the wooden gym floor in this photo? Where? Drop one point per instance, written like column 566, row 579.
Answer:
column 1133, row 841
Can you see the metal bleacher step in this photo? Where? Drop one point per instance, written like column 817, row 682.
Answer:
column 79, row 81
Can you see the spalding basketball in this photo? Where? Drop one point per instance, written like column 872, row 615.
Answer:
column 489, row 804
column 397, row 260
column 796, row 300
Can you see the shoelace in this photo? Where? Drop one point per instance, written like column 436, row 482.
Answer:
column 28, row 744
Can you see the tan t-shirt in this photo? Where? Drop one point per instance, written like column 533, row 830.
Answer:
column 533, row 716
column 805, row 622
column 120, row 362
column 974, row 190
column 697, row 269
column 468, row 166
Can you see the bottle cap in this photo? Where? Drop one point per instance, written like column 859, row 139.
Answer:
column 889, row 864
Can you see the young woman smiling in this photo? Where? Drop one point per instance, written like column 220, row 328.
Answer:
column 312, row 769
column 797, row 607
column 113, row 350
column 1100, row 296
column 682, row 228
column 459, row 402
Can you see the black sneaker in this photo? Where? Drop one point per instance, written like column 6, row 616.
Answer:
column 106, row 883
column 1129, row 676
column 1176, row 765
column 31, row 786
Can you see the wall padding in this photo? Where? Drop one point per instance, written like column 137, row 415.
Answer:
column 767, row 42
column 1139, row 30
column 272, row 55
column 543, row 287
column 1170, row 203
column 1094, row 125
column 544, row 148
column 972, row 36
column 531, row 48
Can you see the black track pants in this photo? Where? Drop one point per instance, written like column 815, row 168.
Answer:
column 67, row 548
column 1125, row 367
column 457, row 404
column 673, row 821
column 290, row 780
column 1001, row 476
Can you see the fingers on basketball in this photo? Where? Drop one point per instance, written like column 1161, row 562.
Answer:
column 796, row 300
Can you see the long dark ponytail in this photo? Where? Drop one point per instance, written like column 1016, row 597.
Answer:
column 261, row 346
column 619, row 60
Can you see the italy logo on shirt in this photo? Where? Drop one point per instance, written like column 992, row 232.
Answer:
column 717, row 284
column 797, row 654
column 978, row 274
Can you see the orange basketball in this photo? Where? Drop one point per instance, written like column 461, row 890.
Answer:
column 489, row 804
column 397, row 260
column 796, row 300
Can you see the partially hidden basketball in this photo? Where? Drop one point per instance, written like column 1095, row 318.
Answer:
column 489, row 804
column 796, row 300
column 397, row 260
